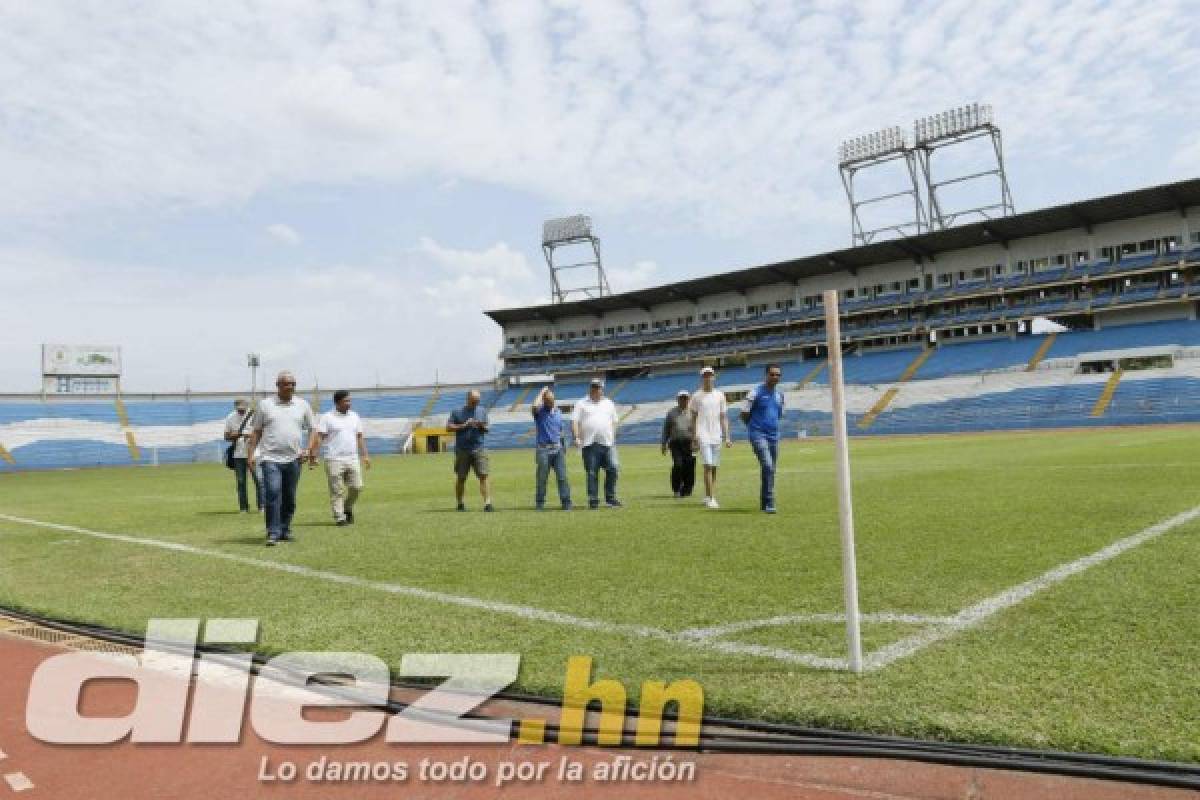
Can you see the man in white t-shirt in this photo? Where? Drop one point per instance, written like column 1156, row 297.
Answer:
column 283, row 439
column 711, row 424
column 594, row 423
column 341, row 435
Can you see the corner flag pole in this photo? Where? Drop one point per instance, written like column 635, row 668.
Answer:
column 841, row 444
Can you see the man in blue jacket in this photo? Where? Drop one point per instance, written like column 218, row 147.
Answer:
column 762, row 410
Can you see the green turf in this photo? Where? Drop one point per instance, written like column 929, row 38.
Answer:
column 1105, row 661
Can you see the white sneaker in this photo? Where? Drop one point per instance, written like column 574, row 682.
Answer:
column 710, row 502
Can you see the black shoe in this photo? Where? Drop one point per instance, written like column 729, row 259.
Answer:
column 593, row 506
column 568, row 507
column 614, row 503
column 462, row 507
column 341, row 523
column 539, row 507
column 286, row 537
column 271, row 542
column 488, row 507
column 349, row 517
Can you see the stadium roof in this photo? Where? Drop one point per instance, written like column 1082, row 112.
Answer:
column 1082, row 214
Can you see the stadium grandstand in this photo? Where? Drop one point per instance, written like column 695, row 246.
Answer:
column 1078, row 315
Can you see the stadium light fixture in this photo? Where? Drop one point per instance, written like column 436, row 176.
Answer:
column 566, row 229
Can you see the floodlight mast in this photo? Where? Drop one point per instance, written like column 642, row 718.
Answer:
column 954, row 127
column 929, row 134
column 874, row 150
column 574, row 231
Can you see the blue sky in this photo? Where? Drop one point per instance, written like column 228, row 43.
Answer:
column 344, row 187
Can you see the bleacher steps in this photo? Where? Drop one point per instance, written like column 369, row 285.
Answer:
column 812, row 374
column 1106, row 396
column 1041, row 353
column 612, row 395
column 516, row 406
column 868, row 419
column 427, row 409
column 130, row 442
column 916, row 365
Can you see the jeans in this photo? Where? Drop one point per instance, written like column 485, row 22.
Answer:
column 767, row 452
column 551, row 458
column 598, row 457
column 239, row 472
column 683, row 467
column 279, row 495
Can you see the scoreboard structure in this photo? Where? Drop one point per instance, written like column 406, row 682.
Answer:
column 81, row 369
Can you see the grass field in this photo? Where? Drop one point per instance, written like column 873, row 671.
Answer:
column 1103, row 660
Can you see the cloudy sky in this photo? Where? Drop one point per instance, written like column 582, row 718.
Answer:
column 343, row 187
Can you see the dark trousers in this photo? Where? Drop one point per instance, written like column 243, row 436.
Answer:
column 683, row 467
column 279, row 493
column 239, row 472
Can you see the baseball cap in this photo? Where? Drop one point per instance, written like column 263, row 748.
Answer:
column 708, row 371
column 682, row 393
column 596, row 382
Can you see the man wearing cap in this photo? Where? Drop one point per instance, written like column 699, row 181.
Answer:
column 677, row 435
column 761, row 412
column 709, row 411
column 594, row 423
column 286, row 430
column 548, row 421
column 237, row 431
column 469, row 425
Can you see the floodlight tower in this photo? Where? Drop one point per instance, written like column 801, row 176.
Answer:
column 874, row 150
column 951, row 128
column 568, row 232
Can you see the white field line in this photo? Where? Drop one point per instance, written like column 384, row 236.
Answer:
column 510, row 609
column 717, row 631
column 973, row 615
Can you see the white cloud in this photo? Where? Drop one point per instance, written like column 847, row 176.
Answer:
column 717, row 116
column 284, row 234
column 340, row 323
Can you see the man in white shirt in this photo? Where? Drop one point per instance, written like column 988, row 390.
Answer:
column 594, row 423
column 341, row 436
column 710, row 418
column 237, row 432
column 284, row 438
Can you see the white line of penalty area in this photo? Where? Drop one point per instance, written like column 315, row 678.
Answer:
column 939, row 628
column 974, row 615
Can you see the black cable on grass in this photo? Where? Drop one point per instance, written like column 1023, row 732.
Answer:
column 745, row 737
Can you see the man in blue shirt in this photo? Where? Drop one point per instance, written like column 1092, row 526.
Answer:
column 761, row 411
column 469, row 425
column 550, row 454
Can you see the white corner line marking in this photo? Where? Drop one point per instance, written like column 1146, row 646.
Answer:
column 974, row 615
column 510, row 609
column 18, row 782
column 815, row 618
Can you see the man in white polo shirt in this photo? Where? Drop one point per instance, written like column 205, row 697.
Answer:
column 710, row 418
column 341, row 435
column 594, row 423
column 284, row 437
